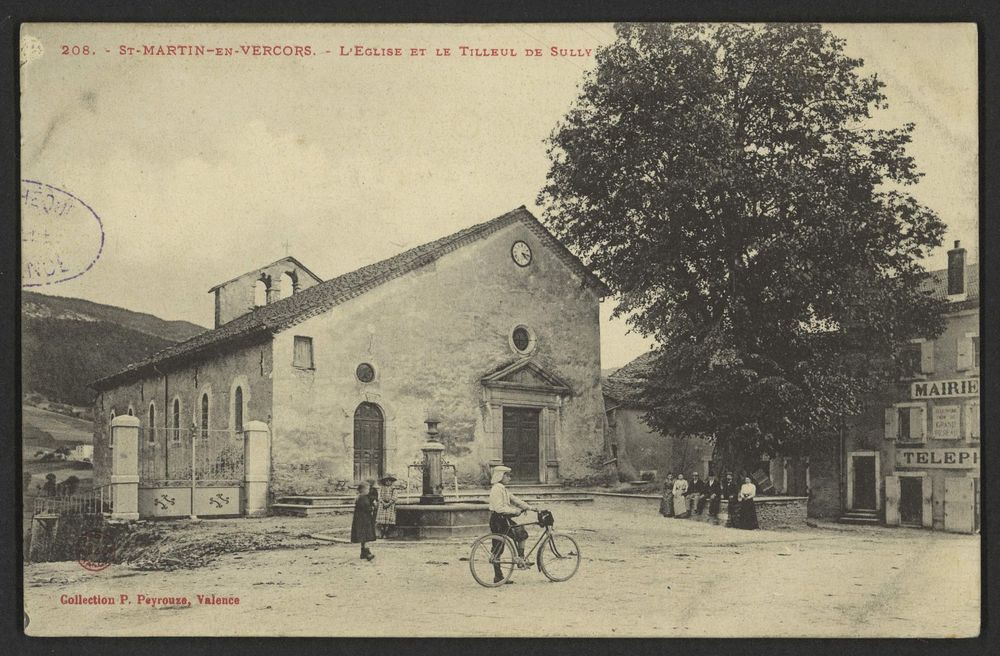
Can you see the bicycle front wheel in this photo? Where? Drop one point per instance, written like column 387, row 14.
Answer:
column 559, row 557
column 492, row 560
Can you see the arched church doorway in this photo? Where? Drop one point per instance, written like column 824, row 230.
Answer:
column 369, row 442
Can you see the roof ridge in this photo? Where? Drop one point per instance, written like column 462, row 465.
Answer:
column 266, row 266
column 287, row 312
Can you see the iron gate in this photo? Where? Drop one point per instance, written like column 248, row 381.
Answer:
column 190, row 472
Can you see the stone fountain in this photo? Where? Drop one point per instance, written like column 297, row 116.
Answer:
column 433, row 516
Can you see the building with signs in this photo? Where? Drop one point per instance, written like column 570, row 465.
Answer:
column 492, row 332
column 912, row 459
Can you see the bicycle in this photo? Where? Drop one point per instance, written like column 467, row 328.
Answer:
column 558, row 558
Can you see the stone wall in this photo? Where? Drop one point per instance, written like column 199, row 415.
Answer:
column 772, row 512
column 641, row 448
column 431, row 335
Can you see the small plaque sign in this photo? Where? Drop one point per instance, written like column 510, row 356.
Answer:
column 946, row 422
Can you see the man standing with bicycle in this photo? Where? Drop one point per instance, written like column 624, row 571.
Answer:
column 504, row 506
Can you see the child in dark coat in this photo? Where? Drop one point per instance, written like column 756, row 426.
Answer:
column 363, row 526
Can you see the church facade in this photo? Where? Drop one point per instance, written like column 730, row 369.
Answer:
column 492, row 332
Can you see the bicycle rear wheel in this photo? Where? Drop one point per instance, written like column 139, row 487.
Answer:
column 559, row 557
column 492, row 558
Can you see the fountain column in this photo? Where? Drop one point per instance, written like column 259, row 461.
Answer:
column 433, row 479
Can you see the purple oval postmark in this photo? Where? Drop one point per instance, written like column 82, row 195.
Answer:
column 61, row 236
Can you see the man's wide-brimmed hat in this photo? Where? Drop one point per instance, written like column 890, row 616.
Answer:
column 497, row 474
column 387, row 478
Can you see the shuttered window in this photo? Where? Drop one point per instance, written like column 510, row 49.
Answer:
column 906, row 422
column 968, row 352
column 891, row 425
column 927, row 357
column 972, row 420
column 302, row 356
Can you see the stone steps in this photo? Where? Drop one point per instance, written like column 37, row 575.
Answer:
column 311, row 505
column 860, row 517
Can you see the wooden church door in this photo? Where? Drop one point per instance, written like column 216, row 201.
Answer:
column 520, row 443
column 369, row 442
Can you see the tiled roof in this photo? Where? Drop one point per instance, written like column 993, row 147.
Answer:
column 624, row 387
column 287, row 312
column 937, row 282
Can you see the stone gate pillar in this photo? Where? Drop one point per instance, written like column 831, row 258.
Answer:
column 125, row 467
column 256, row 468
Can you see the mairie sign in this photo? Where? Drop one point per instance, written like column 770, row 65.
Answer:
column 938, row 458
column 942, row 389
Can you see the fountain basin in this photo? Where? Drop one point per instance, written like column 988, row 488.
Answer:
column 417, row 521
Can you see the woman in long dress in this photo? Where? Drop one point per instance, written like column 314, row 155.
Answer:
column 667, row 498
column 680, row 501
column 746, row 517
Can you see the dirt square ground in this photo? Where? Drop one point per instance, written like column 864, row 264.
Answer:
column 641, row 575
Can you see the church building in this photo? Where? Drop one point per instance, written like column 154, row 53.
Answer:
column 492, row 332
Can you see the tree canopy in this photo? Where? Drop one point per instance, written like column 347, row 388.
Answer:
column 724, row 180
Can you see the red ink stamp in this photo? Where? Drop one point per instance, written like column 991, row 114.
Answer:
column 89, row 552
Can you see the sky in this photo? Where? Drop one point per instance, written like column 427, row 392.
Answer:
column 204, row 167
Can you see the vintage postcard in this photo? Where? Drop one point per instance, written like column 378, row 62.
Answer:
column 639, row 329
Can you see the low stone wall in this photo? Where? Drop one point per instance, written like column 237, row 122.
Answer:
column 772, row 512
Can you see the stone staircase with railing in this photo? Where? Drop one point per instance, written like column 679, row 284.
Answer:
column 536, row 494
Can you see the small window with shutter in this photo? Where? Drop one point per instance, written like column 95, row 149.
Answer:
column 918, row 423
column 302, row 357
column 972, row 420
column 967, row 352
column 903, row 423
column 907, row 422
column 927, row 356
column 891, row 429
column 910, row 361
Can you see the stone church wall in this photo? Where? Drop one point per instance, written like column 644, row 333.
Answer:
column 249, row 367
column 431, row 335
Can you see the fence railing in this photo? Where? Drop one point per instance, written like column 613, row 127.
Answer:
column 190, row 456
column 92, row 502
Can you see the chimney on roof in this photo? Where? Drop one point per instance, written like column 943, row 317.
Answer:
column 956, row 270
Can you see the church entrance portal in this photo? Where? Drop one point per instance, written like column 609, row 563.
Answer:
column 369, row 442
column 520, row 443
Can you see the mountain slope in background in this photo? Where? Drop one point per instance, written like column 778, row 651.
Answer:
column 66, row 343
column 43, row 306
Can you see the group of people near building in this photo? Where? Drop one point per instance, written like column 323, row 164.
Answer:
column 374, row 513
column 683, row 498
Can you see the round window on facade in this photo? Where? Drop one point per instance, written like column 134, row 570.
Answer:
column 365, row 372
column 522, row 339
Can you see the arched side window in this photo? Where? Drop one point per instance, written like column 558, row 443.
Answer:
column 175, row 420
column 131, row 413
column 204, row 415
column 238, row 410
column 151, row 426
column 111, row 433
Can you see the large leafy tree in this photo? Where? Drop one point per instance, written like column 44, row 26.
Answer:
column 726, row 182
